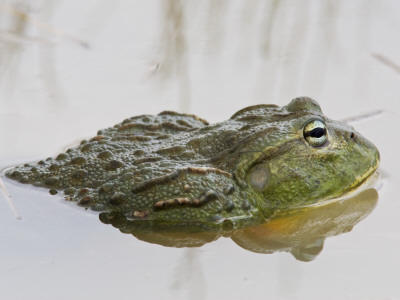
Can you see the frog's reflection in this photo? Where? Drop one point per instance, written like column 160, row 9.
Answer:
column 301, row 232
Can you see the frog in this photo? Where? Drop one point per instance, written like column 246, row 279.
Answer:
column 175, row 171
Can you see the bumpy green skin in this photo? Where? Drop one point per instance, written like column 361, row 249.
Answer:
column 177, row 171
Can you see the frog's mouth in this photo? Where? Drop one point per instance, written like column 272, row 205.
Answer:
column 361, row 183
column 360, row 179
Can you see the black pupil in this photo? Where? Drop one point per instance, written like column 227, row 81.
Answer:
column 317, row 132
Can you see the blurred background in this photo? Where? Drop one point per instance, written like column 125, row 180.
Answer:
column 82, row 66
column 69, row 68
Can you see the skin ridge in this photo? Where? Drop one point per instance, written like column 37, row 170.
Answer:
column 175, row 175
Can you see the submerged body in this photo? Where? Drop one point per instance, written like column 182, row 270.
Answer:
column 177, row 170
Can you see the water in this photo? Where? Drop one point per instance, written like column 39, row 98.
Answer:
column 67, row 72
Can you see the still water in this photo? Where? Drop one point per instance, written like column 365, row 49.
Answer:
column 67, row 72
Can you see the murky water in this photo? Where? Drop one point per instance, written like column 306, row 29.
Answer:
column 67, row 72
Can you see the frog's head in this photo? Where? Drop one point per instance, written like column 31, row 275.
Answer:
column 312, row 158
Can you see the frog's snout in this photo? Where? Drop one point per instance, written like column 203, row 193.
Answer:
column 371, row 151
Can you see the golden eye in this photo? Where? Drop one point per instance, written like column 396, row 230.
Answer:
column 315, row 133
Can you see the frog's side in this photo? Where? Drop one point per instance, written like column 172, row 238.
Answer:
column 176, row 169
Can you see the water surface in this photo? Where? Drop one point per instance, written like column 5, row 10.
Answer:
column 70, row 68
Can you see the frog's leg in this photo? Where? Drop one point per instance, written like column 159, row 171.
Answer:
column 188, row 197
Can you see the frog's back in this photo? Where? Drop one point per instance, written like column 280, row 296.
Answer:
column 145, row 168
column 145, row 146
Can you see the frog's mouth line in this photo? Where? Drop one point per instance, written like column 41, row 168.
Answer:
column 362, row 178
column 362, row 182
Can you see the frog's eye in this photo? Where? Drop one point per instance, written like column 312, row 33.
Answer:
column 315, row 133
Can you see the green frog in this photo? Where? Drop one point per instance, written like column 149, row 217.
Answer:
column 177, row 171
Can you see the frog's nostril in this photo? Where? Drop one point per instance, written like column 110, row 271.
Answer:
column 352, row 135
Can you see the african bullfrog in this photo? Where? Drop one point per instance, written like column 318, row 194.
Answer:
column 175, row 170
